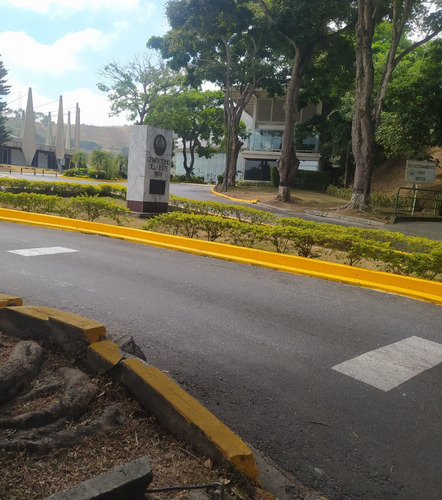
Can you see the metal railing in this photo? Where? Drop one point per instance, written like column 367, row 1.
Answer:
column 416, row 202
column 28, row 170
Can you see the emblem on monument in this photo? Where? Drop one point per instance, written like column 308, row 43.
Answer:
column 159, row 144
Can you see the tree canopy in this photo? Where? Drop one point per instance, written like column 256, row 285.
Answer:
column 298, row 31
column 411, row 123
column 425, row 18
column 219, row 41
column 196, row 117
column 133, row 86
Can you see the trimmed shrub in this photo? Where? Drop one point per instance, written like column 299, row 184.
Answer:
column 311, row 180
column 96, row 174
column 274, row 176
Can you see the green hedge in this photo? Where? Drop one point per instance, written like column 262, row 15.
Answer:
column 389, row 251
column 88, row 207
column 182, row 178
column 304, row 179
column 63, row 189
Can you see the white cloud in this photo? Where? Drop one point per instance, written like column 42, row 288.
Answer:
column 63, row 54
column 94, row 107
column 63, row 6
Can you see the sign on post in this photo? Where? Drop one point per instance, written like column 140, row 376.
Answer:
column 420, row 172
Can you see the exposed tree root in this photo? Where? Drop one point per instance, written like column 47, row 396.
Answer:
column 20, row 369
column 78, row 391
column 39, row 442
column 48, row 387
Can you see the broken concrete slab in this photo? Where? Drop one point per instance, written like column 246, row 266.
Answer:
column 125, row 481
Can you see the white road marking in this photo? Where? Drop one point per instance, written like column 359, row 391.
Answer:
column 32, row 252
column 389, row 366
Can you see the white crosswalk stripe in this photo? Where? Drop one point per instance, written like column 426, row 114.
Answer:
column 389, row 366
column 33, row 252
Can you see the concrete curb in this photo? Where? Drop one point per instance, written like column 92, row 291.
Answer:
column 217, row 193
column 430, row 291
column 161, row 396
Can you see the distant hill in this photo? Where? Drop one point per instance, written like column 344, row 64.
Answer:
column 115, row 139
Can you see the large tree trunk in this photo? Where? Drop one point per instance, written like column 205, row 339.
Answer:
column 363, row 126
column 186, row 168
column 235, row 148
column 288, row 164
column 368, row 103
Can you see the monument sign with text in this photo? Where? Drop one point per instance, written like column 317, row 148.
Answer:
column 148, row 173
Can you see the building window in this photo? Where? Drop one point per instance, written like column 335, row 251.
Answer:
column 266, row 140
column 258, row 170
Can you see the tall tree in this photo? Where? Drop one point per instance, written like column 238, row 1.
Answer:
column 426, row 16
column 197, row 119
column 133, row 86
column 301, row 28
column 4, row 90
column 218, row 41
column 411, row 123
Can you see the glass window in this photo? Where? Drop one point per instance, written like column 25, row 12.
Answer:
column 258, row 170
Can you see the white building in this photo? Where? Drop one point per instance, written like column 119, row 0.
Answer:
column 264, row 118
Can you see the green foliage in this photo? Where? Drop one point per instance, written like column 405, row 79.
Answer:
column 96, row 174
column 80, row 158
column 391, row 251
column 30, row 202
column 412, row 119
column 105, row 165
column 133, row 87
column 241, row 212
column 312, row 181
column 92, row 207
column 63, row 189
column 196, row 117
column 274, row 176
column 337, row 192
column 185, row 178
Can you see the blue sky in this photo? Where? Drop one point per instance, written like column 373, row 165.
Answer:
column 57, row 47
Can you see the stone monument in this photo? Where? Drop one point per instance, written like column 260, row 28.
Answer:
column 148, row 174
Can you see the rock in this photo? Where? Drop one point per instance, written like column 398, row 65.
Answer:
column 130, row 347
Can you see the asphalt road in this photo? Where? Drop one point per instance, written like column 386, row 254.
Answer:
column 260, row 349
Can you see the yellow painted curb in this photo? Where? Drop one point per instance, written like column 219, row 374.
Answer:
column 9, row 300
column 217, row 193
column 430, row 291
column 103, row 356
column 68, row 331
column 143, row 379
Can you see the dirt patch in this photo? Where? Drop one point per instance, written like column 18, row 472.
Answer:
column 28, row 475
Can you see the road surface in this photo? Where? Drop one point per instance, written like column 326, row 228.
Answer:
column 284, row 360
